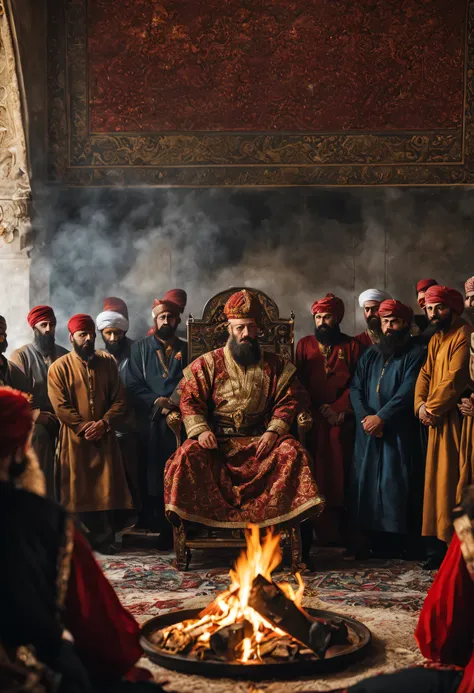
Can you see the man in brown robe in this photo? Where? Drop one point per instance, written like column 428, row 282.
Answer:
column 10, row 374
column 440, row 385
column 89, row 400
column 34, row 360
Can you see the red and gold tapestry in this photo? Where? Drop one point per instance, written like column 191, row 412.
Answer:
column 275, row 92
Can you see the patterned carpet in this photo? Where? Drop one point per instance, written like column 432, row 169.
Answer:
column 386, row 595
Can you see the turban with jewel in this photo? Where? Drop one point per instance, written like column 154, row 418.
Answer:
column 425, row 284
column 243, row 305
column 81, row 323
column 329, row 304
column 15, row 420
column 41, row 314
column 373, row 295
column 449, row 297
column 115, row 314
column 469, row 286
column 396, row 309
column 174, row 301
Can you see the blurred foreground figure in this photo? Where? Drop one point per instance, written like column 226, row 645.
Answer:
column 445, row 630
column 370, row 301
column 241, row 464
column 388, row 464
column 90, row 401
column 50, row 582
column 34, row 360
column 326, row 362
column 440, row 386
column 154, row 371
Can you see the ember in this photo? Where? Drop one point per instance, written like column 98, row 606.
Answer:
column 256, row 619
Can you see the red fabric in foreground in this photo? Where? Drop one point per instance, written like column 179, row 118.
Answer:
column 105, row 633
column 445, row 629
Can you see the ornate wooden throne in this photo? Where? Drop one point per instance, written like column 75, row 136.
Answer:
column 206, row 334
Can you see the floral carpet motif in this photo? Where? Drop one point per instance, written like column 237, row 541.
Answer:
column 385, row 595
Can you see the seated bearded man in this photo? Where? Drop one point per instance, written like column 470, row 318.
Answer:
column 240, row 464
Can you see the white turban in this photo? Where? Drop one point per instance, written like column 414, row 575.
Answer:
column 373, row 295
column 109, row 318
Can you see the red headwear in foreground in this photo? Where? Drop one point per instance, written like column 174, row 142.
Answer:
column 174, row 301
column 15, row 420
column 243, row 305
column 41, row 314
column 329, row 304
column 425, row 284
column 443, row 294
column 81, row 323
column 396, row 309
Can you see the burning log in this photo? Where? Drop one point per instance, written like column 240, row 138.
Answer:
column 225, row 640
column 273, row 605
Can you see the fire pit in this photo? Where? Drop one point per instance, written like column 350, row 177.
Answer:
column 257, row 628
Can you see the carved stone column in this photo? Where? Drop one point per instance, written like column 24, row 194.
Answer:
column 15, row 195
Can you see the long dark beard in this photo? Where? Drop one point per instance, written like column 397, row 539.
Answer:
column 86, row 352
column 444, row 324
column 3, row 346
column 394, row 342
column 374, row 323
column 165, row 332
column 116, row 348
column 43, row 342
column 245, row 353
column 328, row 336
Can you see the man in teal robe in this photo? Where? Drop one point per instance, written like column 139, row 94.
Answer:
column 153, row 372
column 388, row 463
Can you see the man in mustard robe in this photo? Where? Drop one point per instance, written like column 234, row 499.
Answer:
column 241, row 464
column 89, row 400
column 440, row 386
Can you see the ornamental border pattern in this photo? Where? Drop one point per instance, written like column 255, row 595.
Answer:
column 80, row 158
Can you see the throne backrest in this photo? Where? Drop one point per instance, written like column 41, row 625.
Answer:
column 210, row 331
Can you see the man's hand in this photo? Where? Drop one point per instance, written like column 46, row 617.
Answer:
column 426, row 418
column 332, row 417
column 96, row 431
column 208, row 440
column 467, row 406
column 266, row 444
column 164, row 403
column 373, row 425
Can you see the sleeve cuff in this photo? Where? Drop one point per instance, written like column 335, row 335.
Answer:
column 195, row 425
column 278, row 426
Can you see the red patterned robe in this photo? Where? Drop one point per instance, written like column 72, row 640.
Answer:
column 229, row 487
column 326, row 373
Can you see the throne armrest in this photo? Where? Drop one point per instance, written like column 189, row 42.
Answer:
column 305, row 424
column 174, row 421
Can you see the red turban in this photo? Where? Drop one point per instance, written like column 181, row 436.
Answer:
column 41, row 314
column 443, row 294
column 396, row 309
column 115, row 305
column 16, row 420
column 329, row 304
column 81, row 322
column 3, row 323
column 243, row 305
column 174, row 301
column 425, row 284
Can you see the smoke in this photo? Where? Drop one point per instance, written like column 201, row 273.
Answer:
column 294, row 244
